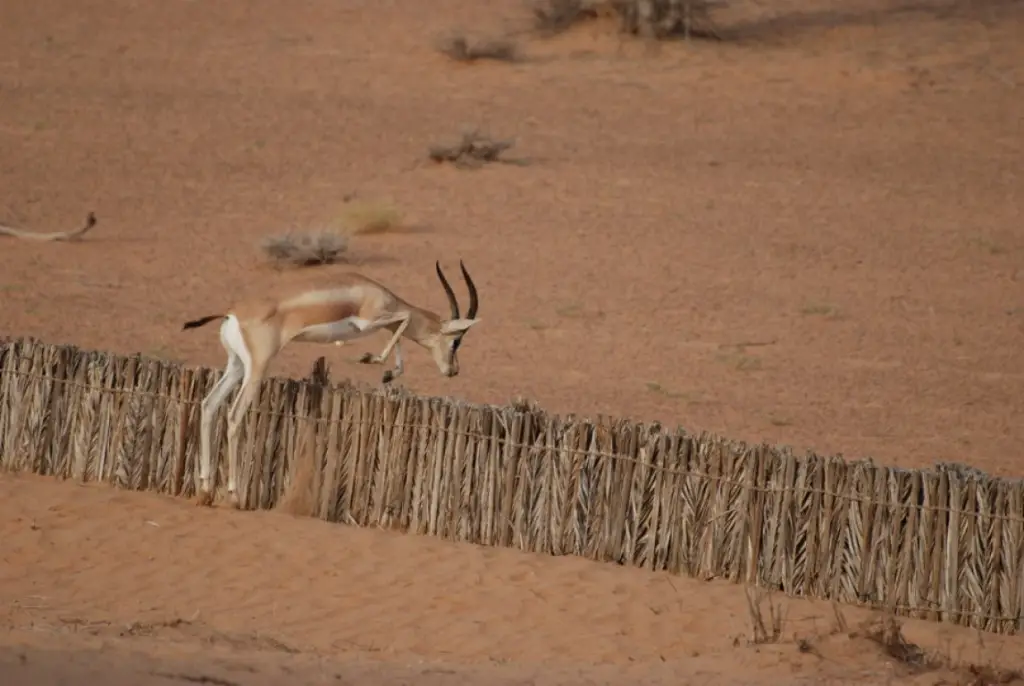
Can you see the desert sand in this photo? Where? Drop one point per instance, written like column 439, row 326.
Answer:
column 809, row 233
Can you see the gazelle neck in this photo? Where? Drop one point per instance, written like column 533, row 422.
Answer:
column 424, row 326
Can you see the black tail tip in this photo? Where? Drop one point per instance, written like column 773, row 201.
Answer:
column 195, row 323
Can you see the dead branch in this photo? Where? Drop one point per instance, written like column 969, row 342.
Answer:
column 472, row 151
column 90, row 221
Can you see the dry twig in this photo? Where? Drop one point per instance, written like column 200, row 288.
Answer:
column 473, row 150
column 761, row 633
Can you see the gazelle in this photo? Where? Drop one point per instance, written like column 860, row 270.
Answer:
column 354, row 306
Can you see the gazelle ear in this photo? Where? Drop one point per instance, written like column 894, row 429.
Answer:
column 457, row 325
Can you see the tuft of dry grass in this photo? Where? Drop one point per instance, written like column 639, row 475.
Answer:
column 887, row 632
column 760, row 631
column 462, row 49
column 360, row 217
column 556, row 16
column 660, row 19
column 471, row 151
column 305, row 249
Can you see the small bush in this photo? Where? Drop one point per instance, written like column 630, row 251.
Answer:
column 305, row 249
column 657, row 18
column 472, row 150
column 461, row 49
column 556, row 16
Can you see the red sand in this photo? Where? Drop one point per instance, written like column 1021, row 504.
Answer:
column 811, row 235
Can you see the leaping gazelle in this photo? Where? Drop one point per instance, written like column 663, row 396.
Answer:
column 354, row 306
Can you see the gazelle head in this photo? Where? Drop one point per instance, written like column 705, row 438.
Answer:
column 445, row 348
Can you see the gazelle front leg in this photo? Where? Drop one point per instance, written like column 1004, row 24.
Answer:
column 370, row 358
column 392, row 374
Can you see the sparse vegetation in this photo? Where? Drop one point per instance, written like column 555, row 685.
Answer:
column 305, row 249
column 884, row 630
column 739, row 361
column 820, row 310
column 761, row 632
column 655, row 387
column 463, row 49
column 661, row 19
column 887, row 632
column 361, row 217
column 472, row 150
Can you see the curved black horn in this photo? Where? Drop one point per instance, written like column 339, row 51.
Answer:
column 448, row 291
column 473, row 302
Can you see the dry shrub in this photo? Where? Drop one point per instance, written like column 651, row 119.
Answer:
column 660, row 19
column 556, row 16
column 462, row 49
column 761, row 632
column 305, row 249
column 471, row 151
column 360, row 217
column 884, row 630
column 887, row 632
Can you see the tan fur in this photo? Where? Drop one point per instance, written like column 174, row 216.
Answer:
column 317, row 314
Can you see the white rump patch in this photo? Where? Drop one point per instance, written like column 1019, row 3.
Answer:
column 231, row 337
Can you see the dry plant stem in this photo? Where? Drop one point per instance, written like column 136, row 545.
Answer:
column 841, row 624
column 760, row 632
column 74, row 235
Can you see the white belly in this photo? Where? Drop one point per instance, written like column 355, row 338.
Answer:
column 333, row 332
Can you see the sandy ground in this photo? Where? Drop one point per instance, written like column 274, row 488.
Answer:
column 809, row 234
column 139, row 586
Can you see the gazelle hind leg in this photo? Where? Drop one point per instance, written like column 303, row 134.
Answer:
column 233, row 339
column 211, row 403
column 250, row 387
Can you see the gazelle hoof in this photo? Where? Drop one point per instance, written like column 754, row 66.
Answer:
column 232, row 501
column 367, row 358
column 203, row 499
column 388, row 377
